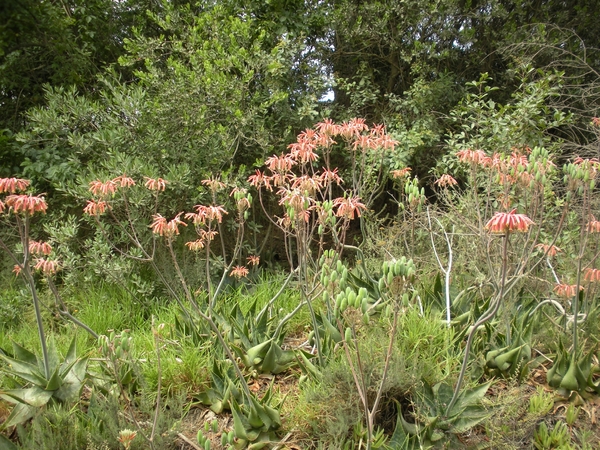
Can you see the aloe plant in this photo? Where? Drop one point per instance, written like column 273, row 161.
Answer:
column 255, row 422
column 435, row 424
column 573, row 371
column 37, row 390
column 510, row 357
column 223, row 389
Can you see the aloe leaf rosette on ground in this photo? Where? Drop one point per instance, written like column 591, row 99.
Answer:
column 64, row 383
column 434, row 425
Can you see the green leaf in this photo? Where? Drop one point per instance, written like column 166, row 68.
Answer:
column 6, row 444
column 20, row 413
column 34, row 396
column 24, row 355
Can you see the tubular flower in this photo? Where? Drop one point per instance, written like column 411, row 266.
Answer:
column 239, row 272
column 27, row 204
column 591, row 275
column 213, row 184
column 103, row 189
column 155, row 185
column 446, row 180
column 593, row 226
column 123, row 181
column 347, row 207
column 161, row 227
column 549, row 250
column 329, row 176
column 196, row 245
column 303, row 150
column 39, row 248
column 17, row 269
column 328, row 127
column 566, row 290
column 474, row 157
column 307, row 183
column 94, row 208
column 401, row 173
column 253, row 260
column 46, row 266
column 2, row 206
column 206, row 213
column 259, row 179
column 281, row 163
column 502, row 222
column 13, row 185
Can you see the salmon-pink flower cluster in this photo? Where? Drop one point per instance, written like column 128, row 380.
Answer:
column 566, row 290
column 401, row 173
column 593, row 226
column 204, row 237
column 13, row 185
column 26, row 204
column 157, row 184
column 170, row 228
column 282, row 163
column 348, row 207
column 95, row 208
column 549, row 250
column 475, row 157
column 446, row 180
column 503, row 222
column 253, row 260
column 213, row 184
column 17, row 268
column 196, row 245
column 591, row 275
column 39, row 248
column 239, row 272
column 123, row 181
column 46, row 266
column 206, row 214
column 330, row 176
column 103, row 189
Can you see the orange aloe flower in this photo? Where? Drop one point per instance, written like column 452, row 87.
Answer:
column 329, row 176
column 2, row 206
column 123, row 181
column 281, row 163
column 591, row 275
column 39, row 248
column 550, row 250
column 253, row 260
column 27, row 204
column 196, row 245
column 94, row 208
column 99, row 188
column 593, row 226
column 401, row 173
column 46, row 266
column 213, row 184
column 348, row 207
column 446, row 180
column 566, row 290
column 259, row 179
column 161, row 227
column 13, row 185
column 474, row 157
column 155, row 184
column 239, row 272
column 502, row 222
column 206, row 213
column 17, row 268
